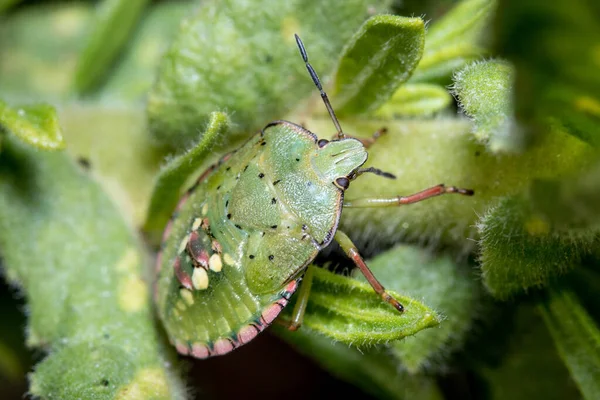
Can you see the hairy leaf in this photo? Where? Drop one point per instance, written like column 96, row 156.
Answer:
column 349, row 311
column 81, row 269
column 442, row 284
column 569, row 203
column 520, row 250
column 101, row 138
column 114, row 22
column 173, row 176
column 576, row 337
column 454, row 40
column 484, row 91
column 380, row 56
column 415, row 99
column 553, row 45
column 218, row 62
column 36, row 125
column 39, row 47
column 133, row 74
column 518, row 345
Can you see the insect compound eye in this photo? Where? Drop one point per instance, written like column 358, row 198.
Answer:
column 342, row 182
column 322, row 142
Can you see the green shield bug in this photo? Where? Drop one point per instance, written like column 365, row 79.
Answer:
column 238, row 244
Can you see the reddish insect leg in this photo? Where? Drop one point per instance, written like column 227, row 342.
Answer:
column 352, row 252
column 368, row 142
column 413, row 198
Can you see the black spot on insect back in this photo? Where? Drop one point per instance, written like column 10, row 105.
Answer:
column 251, row 256
column 271, row 257
column 229, row 216
column 261, row 175
column 276, row 182
column 273, row 200
column 273, row 226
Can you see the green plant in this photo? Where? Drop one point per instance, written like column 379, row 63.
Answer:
column 510, row 274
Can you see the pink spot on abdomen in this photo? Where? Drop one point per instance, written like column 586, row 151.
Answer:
column 181, row 348
column 292, row 286
column 222, row 346
column 200, row 350
column 248, row 333
column 182, row 200
column 167, row 230
column 271, row 312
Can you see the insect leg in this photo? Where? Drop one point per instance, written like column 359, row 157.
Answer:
column 367, row 142
column 402, row 200
column 301, row 301
column 352, row 252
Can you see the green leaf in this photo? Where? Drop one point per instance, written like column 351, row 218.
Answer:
column 373, row 370
column 554, row 47
column 445, row 286
column 569, row 203
column 380, row 56
column 218, row 61
column 585, row 282
column 135, row 72
column 5, row 4
column 484, row 91
column 36, row 125
column 415, row 99
column 520, row 250
column 428, row 8
column 173, row 176
column 517, row 345
column 39, row 46
column 114, row 23
column 576, row 337
column 82, row 272
column 349, row 311
column 454, row 40
column 11, row 367
column 101, row 137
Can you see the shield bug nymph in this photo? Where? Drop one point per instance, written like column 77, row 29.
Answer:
column 241, row 238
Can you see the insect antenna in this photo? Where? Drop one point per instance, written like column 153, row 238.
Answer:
column 317, row 82
column 373, row 170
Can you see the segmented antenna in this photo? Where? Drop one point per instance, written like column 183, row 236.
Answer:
column 317, row 82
